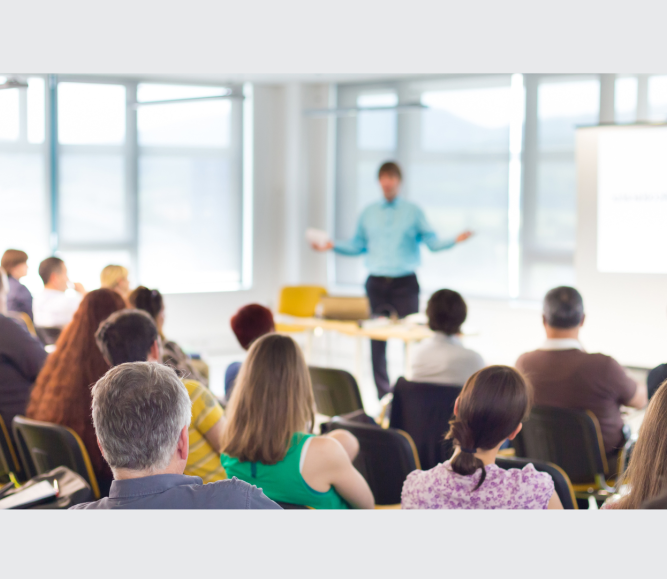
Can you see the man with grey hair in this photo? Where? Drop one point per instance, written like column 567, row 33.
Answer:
column 141, row 413
column 564, row 375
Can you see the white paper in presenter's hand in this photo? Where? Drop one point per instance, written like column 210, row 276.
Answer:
column 317, row 237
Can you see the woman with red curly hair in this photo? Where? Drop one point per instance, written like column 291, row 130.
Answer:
column 62, row 390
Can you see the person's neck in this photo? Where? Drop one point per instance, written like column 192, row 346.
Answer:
column 49, row 286
column 562, row 333
column 486, row 456
column 126, row 473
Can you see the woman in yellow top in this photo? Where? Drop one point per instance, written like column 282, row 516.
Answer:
column 205, row 432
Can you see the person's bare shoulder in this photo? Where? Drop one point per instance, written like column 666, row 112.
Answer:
column 326, row 453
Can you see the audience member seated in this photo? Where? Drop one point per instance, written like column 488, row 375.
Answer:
column 55, row 307
column 249, row 323
column 15, row 264
column 443, row 359
column 151, row 301
column 21, row 359
column 655, row 378
column 131, row 336
column 646, row 475
column 62, row 390
column 115, row 277
column 564, row 375
column 489, row 411
column 141, row 413
column 266, row 440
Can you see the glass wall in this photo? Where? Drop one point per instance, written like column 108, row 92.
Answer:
column 145, row 175
column 452, row 140
column 555, row 107
column 25, row 218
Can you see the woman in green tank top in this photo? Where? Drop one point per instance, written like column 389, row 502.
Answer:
column 265, row 441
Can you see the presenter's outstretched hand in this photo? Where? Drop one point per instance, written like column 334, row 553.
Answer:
column 325, row 247
column 463, row 236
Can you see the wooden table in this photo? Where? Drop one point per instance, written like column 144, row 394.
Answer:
column 407, row 332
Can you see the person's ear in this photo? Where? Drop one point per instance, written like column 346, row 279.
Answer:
column 544, row 320
column 456, row 407
column 154, row 352
column 583, row 317
column 183, row 444
column 516, row 431
column 100, row 447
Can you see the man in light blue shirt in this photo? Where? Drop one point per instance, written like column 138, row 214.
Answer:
column 389, row 233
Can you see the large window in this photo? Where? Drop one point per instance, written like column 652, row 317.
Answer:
column 555, row 106
column 145, row 175
column 452, row 136
column 455, row 155
column 25, row 206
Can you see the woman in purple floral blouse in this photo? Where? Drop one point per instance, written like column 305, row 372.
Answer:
column 489, row 411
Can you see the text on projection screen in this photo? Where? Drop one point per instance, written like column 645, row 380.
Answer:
column 632, row 200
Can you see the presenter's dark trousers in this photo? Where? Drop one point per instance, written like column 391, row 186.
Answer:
column 387, row 296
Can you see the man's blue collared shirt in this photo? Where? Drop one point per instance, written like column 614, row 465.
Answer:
column 389, row 234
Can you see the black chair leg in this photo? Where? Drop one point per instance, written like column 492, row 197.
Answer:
column 582, row 503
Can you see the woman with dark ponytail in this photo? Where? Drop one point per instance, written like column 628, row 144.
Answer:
column 488, row 412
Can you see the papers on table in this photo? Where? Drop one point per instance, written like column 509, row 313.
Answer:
column 31, row 495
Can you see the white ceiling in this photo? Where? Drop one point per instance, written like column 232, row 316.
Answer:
column 267, row 78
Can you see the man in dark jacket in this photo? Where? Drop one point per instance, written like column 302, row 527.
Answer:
column 21, row 359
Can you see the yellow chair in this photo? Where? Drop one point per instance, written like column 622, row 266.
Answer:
column 26, row 321
column 9, row 461
column 43, row 446
column 299, row 301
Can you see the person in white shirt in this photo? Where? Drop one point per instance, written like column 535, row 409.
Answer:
column 55, row 307
column 442, row 359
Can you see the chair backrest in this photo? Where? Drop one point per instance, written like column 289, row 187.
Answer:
column 9, row 461
column 386, row 457
column 25, row 321
column 291, row 506
column 569, row 438
column 336, row 391
column 423, row 410
column 562, row 484
column 44, row 446
column 300, row 300
column 48, row 336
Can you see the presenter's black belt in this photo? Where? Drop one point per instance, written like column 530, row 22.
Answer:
column 391, row 278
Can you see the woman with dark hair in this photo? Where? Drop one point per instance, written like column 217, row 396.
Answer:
column 646, row 475
column 151, row 301
column 15, row 264
column 443, row 359
column 489, row 411
column 62, row 390
column 267, row 440
column 248, row 323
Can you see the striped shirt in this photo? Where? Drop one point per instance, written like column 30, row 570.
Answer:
column 203, row 460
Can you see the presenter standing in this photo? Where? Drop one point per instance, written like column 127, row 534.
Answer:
column 389, row 232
